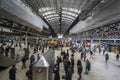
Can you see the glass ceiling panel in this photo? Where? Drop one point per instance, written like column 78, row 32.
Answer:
column 73, row 15
column 72, row 10
column 63, row 21
column 53, row 18
column 48, row 13
column 45, row 9
column 49, row 16
column 67, row 22
column 63, row 15
column 69, row 13
column 67, row 19
column 51, row 22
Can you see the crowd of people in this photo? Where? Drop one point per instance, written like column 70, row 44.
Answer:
column 67, row 58
column 32, row 59
column 68, row 62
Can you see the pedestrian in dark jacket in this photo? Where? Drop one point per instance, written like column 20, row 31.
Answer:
column 72, row 55
column 80, row 71
column 58, row 62
column 7, row 50
column 79, row 63
column 12, row 73
column 103, row 52
column 79, row 66
column 1, row 49
column 34, row 50
column 38, row 57
column 69, row 74
column 68, row 64
column 29, row 74
column 24, row 62
column 43, row 50
column 84, row 56
column 72, row 65
column 117, row 57
column 88, row 66
column 67, row 51
column 67, row 55
column 65, row 65
column 106, row 57
column 56, row 72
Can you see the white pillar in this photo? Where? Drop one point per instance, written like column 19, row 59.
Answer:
column 91, row 42
column 37, row 40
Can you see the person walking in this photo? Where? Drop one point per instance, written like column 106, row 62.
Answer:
column 103, row 52
column 84, row 56
column 34, row 49
column 12, row 73
column 32, row 59
column 43, row 50
column 29, row 74
column 7, row 50
column 24, row 62
column 69, row 74
column 117, row 57
column 72, row 64
column 38, row 57
column 2, row 49
column 58, row 62
column 91, row 54
column 56, row 72
column 88, row 66
column 106, row 57
column 79, row 63
column 79, row 67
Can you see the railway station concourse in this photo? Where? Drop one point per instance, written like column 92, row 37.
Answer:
column 59, row 39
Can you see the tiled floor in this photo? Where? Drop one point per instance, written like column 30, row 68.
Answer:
column 99, row 69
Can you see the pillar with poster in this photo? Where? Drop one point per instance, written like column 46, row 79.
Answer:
column 41, row 69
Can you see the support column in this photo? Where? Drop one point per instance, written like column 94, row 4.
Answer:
column 37, row 40
column 91, row 42
column 26, row 40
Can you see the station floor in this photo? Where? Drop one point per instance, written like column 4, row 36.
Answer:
column 99, row 69
column 20, row 75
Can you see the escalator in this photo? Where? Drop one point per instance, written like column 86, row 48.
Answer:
column 5, row 61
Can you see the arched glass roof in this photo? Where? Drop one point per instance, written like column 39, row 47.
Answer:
column 61, row 11
column 66, row 12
